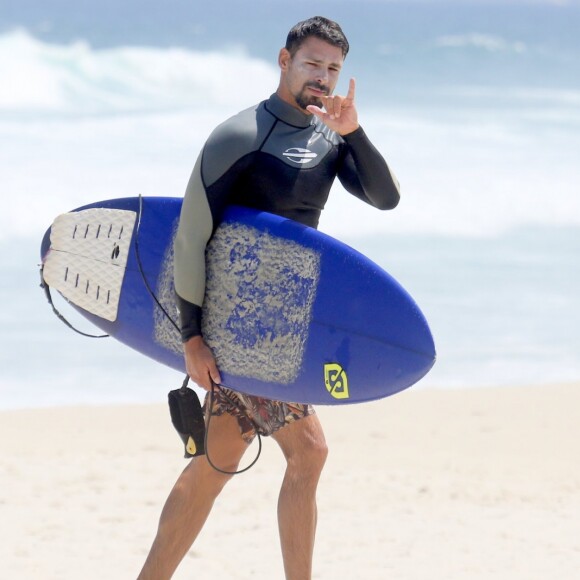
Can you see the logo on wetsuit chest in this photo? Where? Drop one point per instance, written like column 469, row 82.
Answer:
column 299, row 155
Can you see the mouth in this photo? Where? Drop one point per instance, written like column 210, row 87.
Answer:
column 317, row 91
column 311, row 94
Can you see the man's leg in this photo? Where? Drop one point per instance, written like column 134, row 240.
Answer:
column 304, row 447
column 192, row 498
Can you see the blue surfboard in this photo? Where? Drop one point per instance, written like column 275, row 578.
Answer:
column 290, row 313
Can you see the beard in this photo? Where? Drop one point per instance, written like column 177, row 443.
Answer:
column 303, row 99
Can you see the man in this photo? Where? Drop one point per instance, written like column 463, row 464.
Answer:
column 251, row 160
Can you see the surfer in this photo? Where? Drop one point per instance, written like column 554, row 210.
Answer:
column 280, row 156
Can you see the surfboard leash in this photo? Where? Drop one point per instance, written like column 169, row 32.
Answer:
column 193, row 427
column 142, row 271
column 44, row 285
column 211, row 400
column 183, row 403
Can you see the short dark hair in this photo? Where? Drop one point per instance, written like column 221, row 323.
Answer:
column 320, row 27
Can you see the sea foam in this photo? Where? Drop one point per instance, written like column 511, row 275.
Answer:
column 83, row 124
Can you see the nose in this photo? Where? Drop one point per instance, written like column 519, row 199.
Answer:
column 322, row 75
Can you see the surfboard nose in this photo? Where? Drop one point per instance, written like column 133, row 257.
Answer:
column 45, row 244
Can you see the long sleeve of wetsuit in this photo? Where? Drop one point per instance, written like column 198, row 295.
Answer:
column 214, row 177
column 365, row 173
column 194, row 231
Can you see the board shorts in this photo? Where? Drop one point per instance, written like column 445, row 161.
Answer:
column 256, row 414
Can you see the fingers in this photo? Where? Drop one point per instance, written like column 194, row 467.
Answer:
column 339, row 112
column 207, row 373
column 200, row 363
column 351, row 88
column 214, row 373
column 315, row 111
column 335, row 104
column 331, row 110
column 205, row 376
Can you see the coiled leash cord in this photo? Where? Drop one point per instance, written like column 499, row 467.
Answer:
column 211, row 400
column 193, row 427
column 46, row 288
column 186, row 381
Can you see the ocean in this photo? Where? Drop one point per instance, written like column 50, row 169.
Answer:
column 475, row 105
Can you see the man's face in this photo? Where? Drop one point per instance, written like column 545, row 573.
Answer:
column 312, row 72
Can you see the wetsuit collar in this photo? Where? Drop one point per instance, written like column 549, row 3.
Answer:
column 287, row 113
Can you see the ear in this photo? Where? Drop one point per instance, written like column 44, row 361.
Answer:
column 284, row 58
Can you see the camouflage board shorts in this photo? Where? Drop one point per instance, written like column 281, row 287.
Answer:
column 256, row 414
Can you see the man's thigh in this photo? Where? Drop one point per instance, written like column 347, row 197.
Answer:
column 302, row 438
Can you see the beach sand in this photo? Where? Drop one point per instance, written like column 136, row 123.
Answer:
column 428, row 484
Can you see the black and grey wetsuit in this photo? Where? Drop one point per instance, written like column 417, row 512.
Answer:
column 274, row 158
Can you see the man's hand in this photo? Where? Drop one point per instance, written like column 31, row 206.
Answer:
column 200, row 363
column 340, row 115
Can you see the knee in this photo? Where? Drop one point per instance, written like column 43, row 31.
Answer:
column 200, row 475
column 217, row 474
column 309, row 460
column 216, row 479
column 318, row 453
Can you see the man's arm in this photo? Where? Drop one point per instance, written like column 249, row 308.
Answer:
column 193, row 233
column 209, row 189
column 364, row 172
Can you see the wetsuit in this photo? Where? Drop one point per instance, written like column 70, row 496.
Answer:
column 274, row 158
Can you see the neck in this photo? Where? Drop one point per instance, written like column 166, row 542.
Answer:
column 289, row 99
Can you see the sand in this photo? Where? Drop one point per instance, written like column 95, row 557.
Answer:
column 428, row 484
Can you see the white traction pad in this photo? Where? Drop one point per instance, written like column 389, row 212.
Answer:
column 88, row 256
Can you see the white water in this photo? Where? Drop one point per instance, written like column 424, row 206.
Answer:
column 485, row 238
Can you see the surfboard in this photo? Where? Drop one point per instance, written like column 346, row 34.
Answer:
column 289, row 312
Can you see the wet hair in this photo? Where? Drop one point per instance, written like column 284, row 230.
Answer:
column 320, row 27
